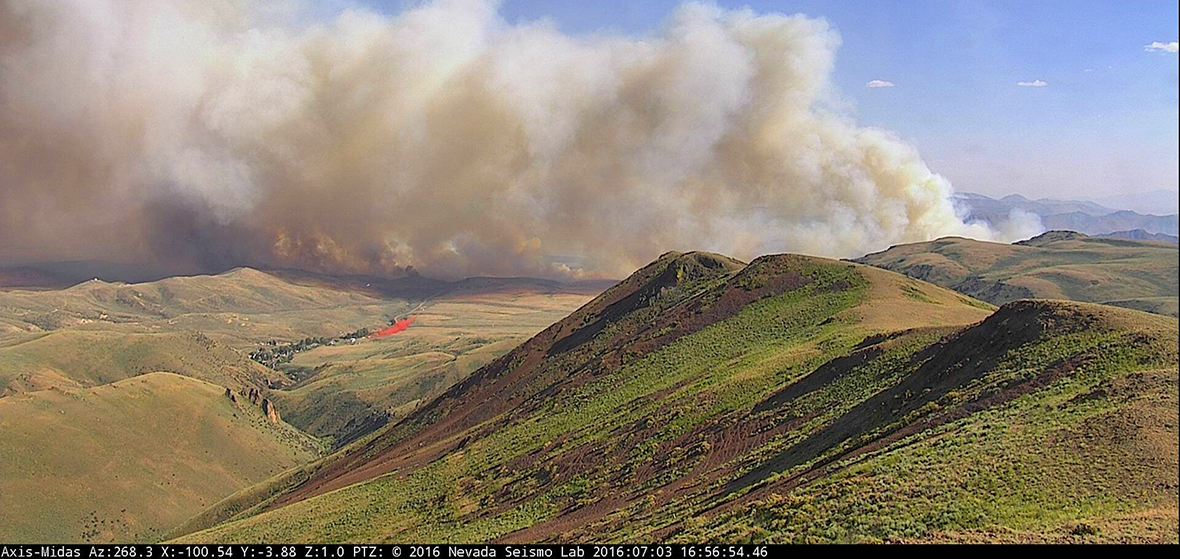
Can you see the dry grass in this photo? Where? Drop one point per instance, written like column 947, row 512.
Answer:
column 1134, row 274
column 128, row 460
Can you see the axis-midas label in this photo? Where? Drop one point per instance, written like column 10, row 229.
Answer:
column 352, row 551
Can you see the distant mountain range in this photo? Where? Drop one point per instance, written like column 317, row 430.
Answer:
column 1082, row 216
column 1141, row 235
column 1151, row 202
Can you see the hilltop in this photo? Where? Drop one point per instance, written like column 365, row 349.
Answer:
column 786, row 400
column 1055, row 265
column 701, row 398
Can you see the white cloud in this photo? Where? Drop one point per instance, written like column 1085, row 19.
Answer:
column 1034, row 83
column 1157, row 46
column 878, row 83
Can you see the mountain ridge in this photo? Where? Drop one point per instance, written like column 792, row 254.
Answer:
column 1079, row 215
column 1053, row 265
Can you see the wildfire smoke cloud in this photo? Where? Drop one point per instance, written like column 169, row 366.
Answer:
column 206, row 134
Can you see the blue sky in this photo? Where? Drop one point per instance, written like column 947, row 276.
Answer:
column 1105, row 122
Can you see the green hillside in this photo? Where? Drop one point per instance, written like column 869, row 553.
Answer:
column 1051, row 422
column 128, row 460
column 1057, row 265
column 794, row 399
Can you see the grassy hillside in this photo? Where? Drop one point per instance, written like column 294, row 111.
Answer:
column 1057, row 265
column 672, row 381
column 794, row 399
column 240, row 308
column 86, row 358
column 128, row 460
column 65, row 354
column 1051, row 422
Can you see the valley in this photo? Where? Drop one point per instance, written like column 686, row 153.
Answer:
column 122, row 388
column 348, row 390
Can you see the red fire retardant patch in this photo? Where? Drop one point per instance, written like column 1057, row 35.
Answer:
column 394, row 328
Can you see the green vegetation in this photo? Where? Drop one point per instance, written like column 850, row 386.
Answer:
column 1086, row 458
column 1138, row 275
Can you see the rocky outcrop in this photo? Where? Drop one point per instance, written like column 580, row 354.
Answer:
column 254, row 396
column 269, row 409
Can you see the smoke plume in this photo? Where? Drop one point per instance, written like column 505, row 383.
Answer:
column 205, row 134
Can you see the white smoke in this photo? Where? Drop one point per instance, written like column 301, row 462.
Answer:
column 1019, row 225
column 213, row 133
